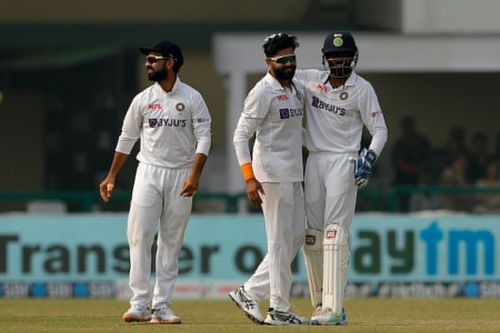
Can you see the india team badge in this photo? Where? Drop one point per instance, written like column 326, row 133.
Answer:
column 180, row 107
column 337, row 40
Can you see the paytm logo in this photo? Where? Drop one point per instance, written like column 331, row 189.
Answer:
column 442, row 252
column 468, row 240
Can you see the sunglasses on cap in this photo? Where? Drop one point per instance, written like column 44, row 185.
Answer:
column 154, row 58
column 284, row 58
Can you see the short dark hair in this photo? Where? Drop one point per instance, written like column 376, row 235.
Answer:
column 277, row 42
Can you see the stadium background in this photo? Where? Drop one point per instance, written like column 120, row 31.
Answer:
column 68, row 71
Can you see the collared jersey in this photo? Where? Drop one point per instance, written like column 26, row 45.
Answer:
column 172, row 126
column 335, row 117
column 274, row 114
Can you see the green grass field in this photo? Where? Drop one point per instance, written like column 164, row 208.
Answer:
column 204, row 316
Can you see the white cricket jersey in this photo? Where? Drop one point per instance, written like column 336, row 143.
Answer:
column 274, row 114
column 172, row 126
column 335, row 117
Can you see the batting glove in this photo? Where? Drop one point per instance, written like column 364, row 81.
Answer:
column 363, row 167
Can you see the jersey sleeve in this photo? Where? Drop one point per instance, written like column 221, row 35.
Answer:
column 305, row 76
column 131, row 128
column 201, row 124
column 373, row 118
column 254, row 112
column 256, row 104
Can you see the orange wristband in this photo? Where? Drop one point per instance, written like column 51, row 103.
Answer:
column 247, row 171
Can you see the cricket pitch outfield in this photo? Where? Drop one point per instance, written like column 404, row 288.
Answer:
column 206, row 316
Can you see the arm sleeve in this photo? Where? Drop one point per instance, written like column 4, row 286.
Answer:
column 373, row 118
column 131, row 128
column 306, row 75
column 255, row 110
column 201, row 125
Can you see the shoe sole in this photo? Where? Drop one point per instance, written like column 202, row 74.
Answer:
column 135, row 319
column 287, row 324
column 165, row 322
column 252, row 318
column 322, row 323
column 277, row 324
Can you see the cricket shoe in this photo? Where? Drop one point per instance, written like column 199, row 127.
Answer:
column 164, row 315
column 275, row 317
column 245, row 302
column 325, row 316
column 137, row 312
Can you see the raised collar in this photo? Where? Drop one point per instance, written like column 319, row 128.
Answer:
column 275, row 84
column 174, row 88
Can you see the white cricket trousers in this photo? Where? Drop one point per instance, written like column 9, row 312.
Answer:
column 155, row 198
column 284, row 215
column 330, row 190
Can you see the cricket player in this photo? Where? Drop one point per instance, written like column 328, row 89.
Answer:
column 273, row 111
column 173, row 124
column 338, row 104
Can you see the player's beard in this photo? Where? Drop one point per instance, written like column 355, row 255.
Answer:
column 158, row 75
column 285, row 72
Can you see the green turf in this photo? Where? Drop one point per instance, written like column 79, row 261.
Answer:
column 364, row 315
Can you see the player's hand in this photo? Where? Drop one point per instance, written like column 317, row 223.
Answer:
column 363, row 167
column 254, row 189
column 190, row 187
column 106, row 188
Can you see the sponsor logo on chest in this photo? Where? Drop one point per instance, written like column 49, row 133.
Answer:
column 321, row 87
column 159, row 116
column 287, row 113
column 166, row 122
column 321, row 105
column 154, row 106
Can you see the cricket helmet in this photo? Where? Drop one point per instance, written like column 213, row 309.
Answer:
column 342, row 43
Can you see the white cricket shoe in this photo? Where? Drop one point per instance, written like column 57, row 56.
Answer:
column 137, row 312
column 164, row 315
column 275, row 317
column 245, row 302
column 325, row 316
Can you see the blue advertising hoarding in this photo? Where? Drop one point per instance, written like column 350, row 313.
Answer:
column 75, row 254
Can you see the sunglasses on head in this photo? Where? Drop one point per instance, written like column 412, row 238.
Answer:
column 154, row 58
column 285, row 58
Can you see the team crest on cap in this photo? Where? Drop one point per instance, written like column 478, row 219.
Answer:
column 344, row 96
column 179, row 107
column 337, row 40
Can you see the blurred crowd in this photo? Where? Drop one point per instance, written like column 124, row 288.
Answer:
column 462, row 161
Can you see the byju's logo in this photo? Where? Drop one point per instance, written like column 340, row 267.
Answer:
column 284, row 113
column 153, row 122
column 167, row 122
column 319, row 104
column 288, row 113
